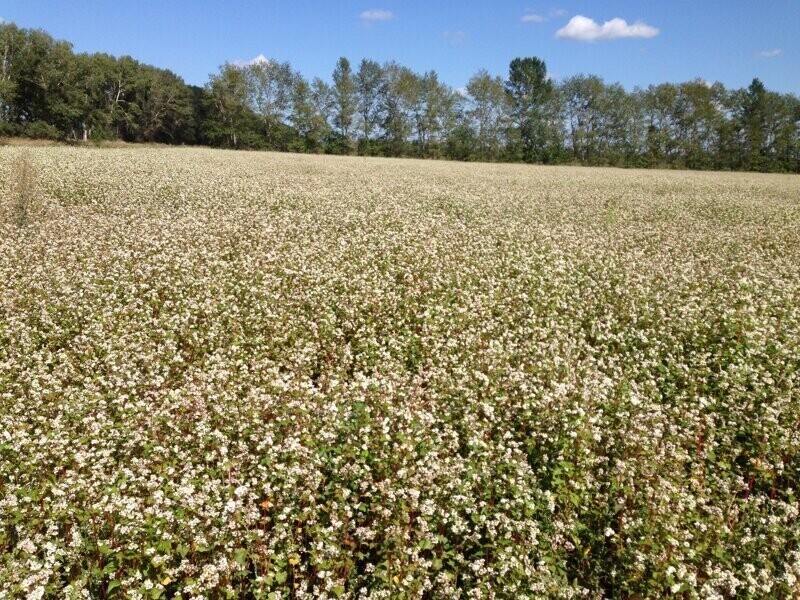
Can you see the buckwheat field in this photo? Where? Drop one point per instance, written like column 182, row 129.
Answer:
column 251, row 375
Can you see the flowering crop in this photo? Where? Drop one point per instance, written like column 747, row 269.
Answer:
column 255, row 375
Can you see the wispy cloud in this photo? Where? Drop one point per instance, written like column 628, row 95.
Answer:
column 532, row 18
column 769, row 53
column 557, row 12
column 376, row 14
column 584, row 29
column 253, row 61
column 455, row 37
column 2, row 21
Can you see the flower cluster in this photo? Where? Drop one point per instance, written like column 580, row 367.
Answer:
column 232, row 374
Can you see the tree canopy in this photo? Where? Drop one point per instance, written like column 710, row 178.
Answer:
column 49, row 91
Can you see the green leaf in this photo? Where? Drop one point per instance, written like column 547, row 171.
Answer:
column 240, row 556
column 104, row 550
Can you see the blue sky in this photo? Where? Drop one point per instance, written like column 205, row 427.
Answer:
column 632, row 42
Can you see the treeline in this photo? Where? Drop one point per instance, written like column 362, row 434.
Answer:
column 48, row 91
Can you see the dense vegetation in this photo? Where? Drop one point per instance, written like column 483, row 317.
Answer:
column 48, row 91
column 259, row 375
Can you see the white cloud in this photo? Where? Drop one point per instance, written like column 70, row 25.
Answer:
column 376, row 14
column 532, row 18
column 584, row 29
column 455, row 37
column 770, row 53
column 462, row 91
column 2, row 21
column 253, row 61
column 557, row 12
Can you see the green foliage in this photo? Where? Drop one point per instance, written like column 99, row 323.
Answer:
column 488, row 114
column 530, row 93
column 47, row 91
column 345, row 99
column 39, row 130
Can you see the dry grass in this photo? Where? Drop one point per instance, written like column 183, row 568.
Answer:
column 20, row 142
column 22, row 204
